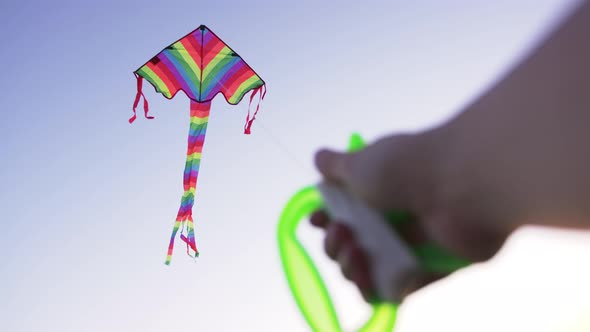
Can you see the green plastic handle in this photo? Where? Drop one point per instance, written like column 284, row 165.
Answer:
column 305, row 282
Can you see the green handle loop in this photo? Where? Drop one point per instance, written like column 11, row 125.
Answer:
column 305, row 282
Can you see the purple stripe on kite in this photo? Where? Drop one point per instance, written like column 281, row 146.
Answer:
column 179, row 74
column 196, row 37
column 196, row 139
column 220, row 81
column 187, row 175
column 207, row 36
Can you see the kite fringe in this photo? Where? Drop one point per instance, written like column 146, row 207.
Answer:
column 138, row 96
column 262, row 90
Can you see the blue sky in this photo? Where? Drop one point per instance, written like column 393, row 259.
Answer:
column 87, row 200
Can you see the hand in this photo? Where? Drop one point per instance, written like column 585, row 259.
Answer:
column 341, row 245
column 404, row 163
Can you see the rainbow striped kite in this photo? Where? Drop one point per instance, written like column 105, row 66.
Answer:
column 201, row 65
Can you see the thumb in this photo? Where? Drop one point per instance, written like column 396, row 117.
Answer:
column 334, row 166
column 379, row 173
column 355, row 171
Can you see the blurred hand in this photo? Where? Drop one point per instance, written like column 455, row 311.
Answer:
column 404, row 173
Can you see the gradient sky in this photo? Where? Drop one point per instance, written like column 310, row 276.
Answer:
column 87, row 201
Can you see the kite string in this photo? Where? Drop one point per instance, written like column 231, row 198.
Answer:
column 261, row 90
column 283, row 148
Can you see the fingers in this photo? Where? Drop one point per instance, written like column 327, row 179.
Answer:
column 364, row 283
column 338, row 237
column 353, row 260
column 341, row 246
column 320, row 219
column 355, row 266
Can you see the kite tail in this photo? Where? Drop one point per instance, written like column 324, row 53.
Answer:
column 196, row 139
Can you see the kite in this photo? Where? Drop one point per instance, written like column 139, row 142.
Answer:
column 303, row 277
column 201, row 65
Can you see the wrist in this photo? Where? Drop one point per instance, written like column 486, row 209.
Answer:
column 474, row 178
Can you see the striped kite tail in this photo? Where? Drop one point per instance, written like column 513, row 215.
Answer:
column 196, row 139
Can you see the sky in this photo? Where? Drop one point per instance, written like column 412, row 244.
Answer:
column 87, row 200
